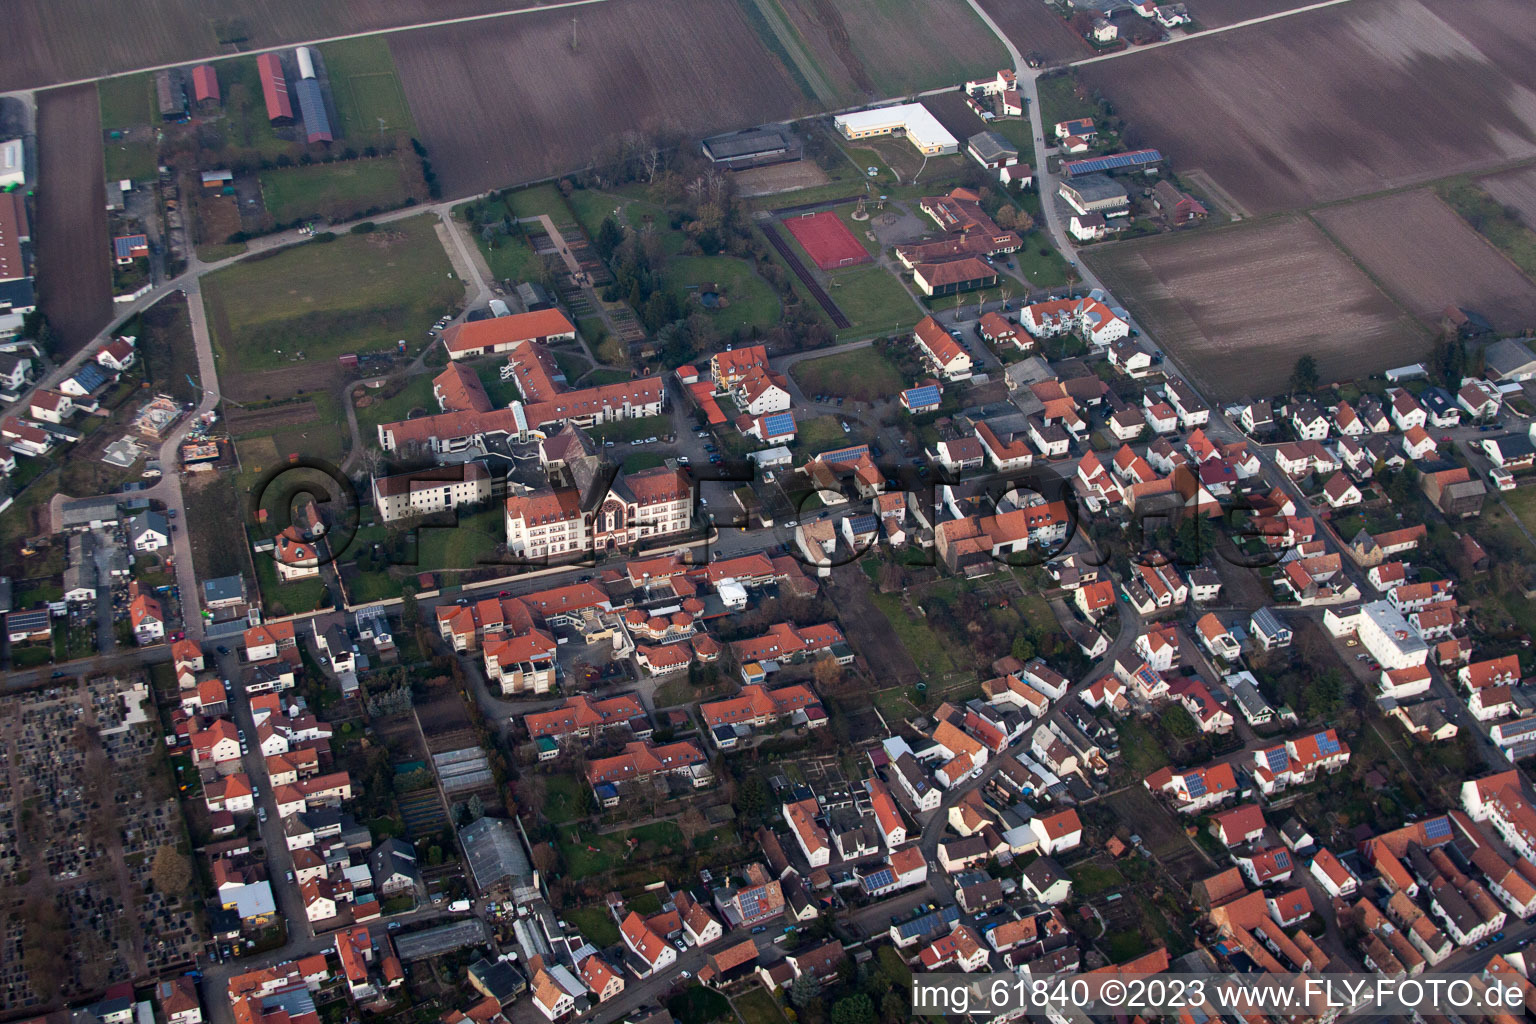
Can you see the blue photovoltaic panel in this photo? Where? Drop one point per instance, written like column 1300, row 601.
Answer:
column 1277, row 759
column 1196, row 784
column 845, row 454
column 1327, row 744
column 1112, row 162
column 879, row 879
column 779, row 423
column 1282, row 860
column 925, row 395
column 1437, row 828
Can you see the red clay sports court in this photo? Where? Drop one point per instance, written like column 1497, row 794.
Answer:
column 827, row 240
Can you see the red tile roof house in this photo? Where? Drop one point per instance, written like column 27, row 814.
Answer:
column 945, row 355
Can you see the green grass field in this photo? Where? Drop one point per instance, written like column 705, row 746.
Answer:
column 337, row 191
column 821, row 434
column 134, row 159
column 624, row 431
column 926, row 647
column 296, row 596
column 565, row 797
column 359, row 293
column 863, row 374
column 1059, row 101
column 540, row 199
column 366, row 89
column 468, row 544
column 586, row 853
column 873, row 299
column 750, row 302
column 417, row 394
column 126, row 101
column 595, row 924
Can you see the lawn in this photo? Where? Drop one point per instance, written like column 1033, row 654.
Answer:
column 821, row 434
column 335, row 191
column 469, row 543
column 586, row 853
column 1091, row 878
column 280, row 598
column 636, row 461
column 1059, row 101
column 864, row 375
column 509, row 256
column 134, row 159
column 873, row 299
column 417, row 394
column 926, row 647
column 365, row 88
column 624, row 431
column 126, row 101
column 699, row 1005
column 1522, row 502
column 595, row 924
column 749, row 302
column 359, row 293
column 1043, row 269
column 545, row 199
column 756, row 1006
column 565, row 798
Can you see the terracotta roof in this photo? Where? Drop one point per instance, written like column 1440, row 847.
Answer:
column 506, row 330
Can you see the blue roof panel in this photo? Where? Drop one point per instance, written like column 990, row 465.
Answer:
column 1112, row 162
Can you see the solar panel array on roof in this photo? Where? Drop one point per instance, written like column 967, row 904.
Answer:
column 845, row 454
column 1112, row 162
column 931, row 922
column 1278, row 759
column 1196, row 784
column 879, row 880
column 928, row 394
column 1327, row 744
column 1283, row 860
column 863, row 524
column 751, row 902
column 1437, row 828
column 779, row 423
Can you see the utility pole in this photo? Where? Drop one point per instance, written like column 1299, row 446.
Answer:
column 573, row 33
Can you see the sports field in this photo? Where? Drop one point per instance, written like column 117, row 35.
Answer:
column 294, row 312
column 367, row 93
column 827, row 240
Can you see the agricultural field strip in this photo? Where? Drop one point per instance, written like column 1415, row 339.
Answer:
column 1277, row 118
column 1215, row 30
column 342, row 37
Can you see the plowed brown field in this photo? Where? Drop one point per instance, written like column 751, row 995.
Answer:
column 1338, row 102
column 507, row 101
column 1429, row 258
column 1515, row 189
column 1031, row 25
column 1237, row 306
column 74, row 276
column 49, row 40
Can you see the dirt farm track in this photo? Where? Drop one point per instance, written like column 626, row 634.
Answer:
column 510, row 100
column 1338, row 102
column 1429, row 258
column 73, row 251
column 1237, row 306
